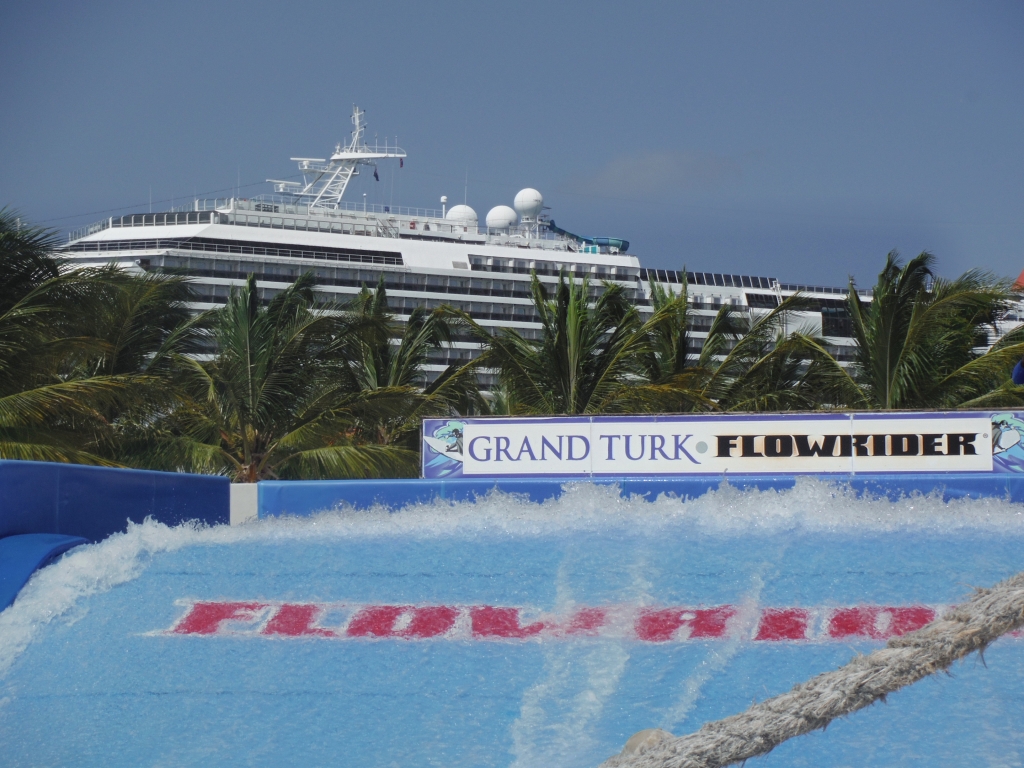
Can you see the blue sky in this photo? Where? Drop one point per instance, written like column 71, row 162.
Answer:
column 799, row 140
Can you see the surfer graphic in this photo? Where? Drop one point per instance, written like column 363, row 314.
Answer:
column 1007, row 445
column 446, row 442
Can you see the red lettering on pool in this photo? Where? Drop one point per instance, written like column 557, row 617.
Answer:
column 783, row 624
column 206, row 618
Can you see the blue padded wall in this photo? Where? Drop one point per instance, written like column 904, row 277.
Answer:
column 93, row 502
column 305, row 498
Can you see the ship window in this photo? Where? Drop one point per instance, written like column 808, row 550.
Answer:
column 836, row 321
column 762, row 300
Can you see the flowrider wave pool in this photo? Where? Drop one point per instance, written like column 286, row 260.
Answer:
column 503, row 632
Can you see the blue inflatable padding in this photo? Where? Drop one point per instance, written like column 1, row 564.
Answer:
column 304, row 498
column 93, row 502
column 21, row 556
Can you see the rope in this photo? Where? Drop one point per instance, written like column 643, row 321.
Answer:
column 814, row 704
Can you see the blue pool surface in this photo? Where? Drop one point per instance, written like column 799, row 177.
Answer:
column 97, row 668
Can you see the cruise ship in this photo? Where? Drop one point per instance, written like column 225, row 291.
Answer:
column 427, row 257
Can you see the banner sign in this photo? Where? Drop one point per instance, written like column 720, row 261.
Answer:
column 592, row 446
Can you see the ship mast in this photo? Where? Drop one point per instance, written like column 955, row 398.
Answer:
column 324, row 182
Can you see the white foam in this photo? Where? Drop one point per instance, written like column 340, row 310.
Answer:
column 716, row 658
column 815, row 506
column 558, row 713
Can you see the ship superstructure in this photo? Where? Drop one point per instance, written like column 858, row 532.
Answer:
column 427, row 257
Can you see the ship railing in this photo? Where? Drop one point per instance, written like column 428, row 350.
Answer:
column 285, row 206
column 209, row 204
column 288, row 205
column 91, row 229
column 821, row 289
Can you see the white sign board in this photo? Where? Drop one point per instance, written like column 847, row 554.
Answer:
column 681, row 445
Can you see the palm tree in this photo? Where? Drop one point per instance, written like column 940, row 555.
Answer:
column 46, row 412
column 675, row 368
column 919, row 342
column 27, row 257
column 141, row 320
column 769, row 367
column 586, row 359
column 743, row 364
column 277, row 400
column 143, row 326
column 375, row 362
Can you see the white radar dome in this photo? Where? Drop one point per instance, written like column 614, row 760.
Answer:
column 501, row 217
column 462, row 214
column 529, row 203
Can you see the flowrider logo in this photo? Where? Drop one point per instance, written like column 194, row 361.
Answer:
column 341, row 621
column 825, row 446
